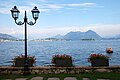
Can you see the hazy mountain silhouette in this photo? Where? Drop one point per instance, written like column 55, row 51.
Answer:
column 7, row 37
column 116, row 36
column 82, row 35
column 58, row 36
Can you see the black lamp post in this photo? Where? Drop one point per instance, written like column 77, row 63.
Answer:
column 35, row 13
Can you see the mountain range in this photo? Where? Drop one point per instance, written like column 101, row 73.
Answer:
column 7, row 37
column 82, row 35
column 79, row 35
column 88, row 35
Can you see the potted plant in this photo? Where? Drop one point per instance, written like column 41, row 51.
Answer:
column 98, row 60
column 19, row 61
column 62, row 60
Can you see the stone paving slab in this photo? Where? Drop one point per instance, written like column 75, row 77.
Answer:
column 37, row 78
column 21, row 79
column 85, row 78
column 53, row 79
column 5, row 79
column 103, row 79
column 70, row 78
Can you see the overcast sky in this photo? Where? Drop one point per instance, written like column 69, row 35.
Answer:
column 62, row 16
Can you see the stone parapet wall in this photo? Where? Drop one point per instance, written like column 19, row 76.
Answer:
column 58, row 70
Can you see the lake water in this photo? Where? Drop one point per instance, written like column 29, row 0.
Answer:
column 43, row 51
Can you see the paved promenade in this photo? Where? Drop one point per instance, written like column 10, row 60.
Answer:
column 53, row 78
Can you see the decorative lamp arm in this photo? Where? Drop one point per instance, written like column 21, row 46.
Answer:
column 31, row 23
column 19, row 23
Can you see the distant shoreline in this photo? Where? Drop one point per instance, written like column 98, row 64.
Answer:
column 58, row 40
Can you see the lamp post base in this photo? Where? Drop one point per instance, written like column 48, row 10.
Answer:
column 26, row 68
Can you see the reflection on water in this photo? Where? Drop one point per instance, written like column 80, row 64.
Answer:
column 109, row 55
column 43, row 51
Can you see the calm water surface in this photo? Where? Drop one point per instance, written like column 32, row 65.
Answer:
column 43, row 51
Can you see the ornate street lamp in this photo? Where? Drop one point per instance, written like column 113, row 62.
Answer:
column 15, row 14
